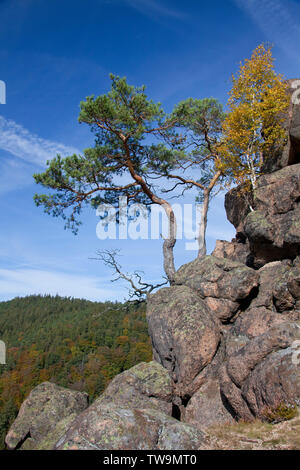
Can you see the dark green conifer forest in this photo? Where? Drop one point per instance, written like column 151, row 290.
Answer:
column 74, row 343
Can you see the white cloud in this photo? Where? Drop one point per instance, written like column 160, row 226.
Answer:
column 156, row 9
column 18, row 141
column 22, row 282
column 279, row 20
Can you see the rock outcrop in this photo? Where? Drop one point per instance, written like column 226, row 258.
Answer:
column 225, row 336
column 45, row 414
column 250, row 288
column 147, row 385
column 246, row 369
column 236, row 250
column 218, row 278
column 114, row 427
column 272, row 229
column 223, row 284
column 206, row 407
column 134, row 412
column 255, row 314
column 184, row 334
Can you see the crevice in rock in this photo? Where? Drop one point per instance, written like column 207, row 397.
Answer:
column 19, row 445
column 185, row 400
column 159, row 431
column 245, row 303
column 294, row 156
column 228, row 406
column 176, row 413
column 241, row 238
column 265, row 254
column 250, row 261
column 230, row 321
column 249, row 405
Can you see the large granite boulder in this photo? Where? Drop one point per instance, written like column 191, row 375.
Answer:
column 112, row 427
column 252, row 363
column 276, row 302
column 132, row 414
column 254, row 322
column 286, row 292
column 146, row 385
column 184, row 335
column 273, row 382
column 237, row 204
column 207, row 407
column 49, row 440
column 223, row 284
column 48, row 409
column 270, row 276
column 236, row 250
column 272, row 228
column 219, row 278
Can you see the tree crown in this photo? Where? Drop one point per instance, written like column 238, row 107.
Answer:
column 199, row 125
column 121, row 120
column 253, row 127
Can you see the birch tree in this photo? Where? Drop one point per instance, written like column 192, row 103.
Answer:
column 253, row 128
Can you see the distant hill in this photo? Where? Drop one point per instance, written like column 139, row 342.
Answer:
column 75, row 343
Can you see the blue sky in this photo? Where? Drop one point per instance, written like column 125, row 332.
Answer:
column 53, row 55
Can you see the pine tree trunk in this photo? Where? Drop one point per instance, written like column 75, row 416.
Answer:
column 169, row 243
column 203, row 226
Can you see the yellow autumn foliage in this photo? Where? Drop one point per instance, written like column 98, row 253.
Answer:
column 253, row 128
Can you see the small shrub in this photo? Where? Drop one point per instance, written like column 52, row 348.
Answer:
column 280, row 412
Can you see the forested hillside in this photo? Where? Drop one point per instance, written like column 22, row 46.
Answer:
column 75, row 343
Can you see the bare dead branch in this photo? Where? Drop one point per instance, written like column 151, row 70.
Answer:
column 139, row 289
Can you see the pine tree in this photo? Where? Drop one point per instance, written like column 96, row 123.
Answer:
column 124, row 122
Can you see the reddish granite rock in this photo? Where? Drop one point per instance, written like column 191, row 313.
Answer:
column 45, row 407
column 113, row 427
column 184, row 334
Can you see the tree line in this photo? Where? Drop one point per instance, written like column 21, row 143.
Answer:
column 74, row 343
